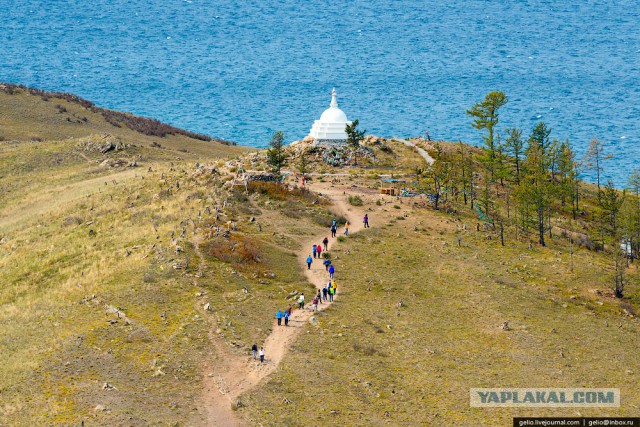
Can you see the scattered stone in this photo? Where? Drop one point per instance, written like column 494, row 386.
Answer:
column 100, row 408
column 505, row 326
column 107, row 386
column 207, row 307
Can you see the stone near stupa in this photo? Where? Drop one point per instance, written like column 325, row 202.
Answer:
column 329, row 130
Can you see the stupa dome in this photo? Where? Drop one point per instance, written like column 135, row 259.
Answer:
column 330, row 128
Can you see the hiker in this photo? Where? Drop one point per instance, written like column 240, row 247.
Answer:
column 334, row 228
column 331, row 271
column 287, row 314
column 332, row 291
column 325, row 242
column 326, row 263
column 346, row 228
column 314, row 250
column 365, row 220
column 279, row 317
column 261, row 354
column 334, row 222
column 315, row 304
column 309, row 261
column 319, row 296
column 319, row 249
column 254, row 348
column 301, row 301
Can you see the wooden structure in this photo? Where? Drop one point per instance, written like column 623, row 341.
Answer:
column 391, row 187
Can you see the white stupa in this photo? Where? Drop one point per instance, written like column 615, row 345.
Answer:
column 329, row 130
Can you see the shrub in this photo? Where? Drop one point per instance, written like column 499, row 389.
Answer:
column 341, row 239
column 236, row 250
column 355, row 201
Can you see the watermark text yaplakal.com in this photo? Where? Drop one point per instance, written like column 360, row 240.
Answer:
column 545, row 397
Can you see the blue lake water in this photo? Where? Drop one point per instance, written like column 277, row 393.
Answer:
column 242, row 70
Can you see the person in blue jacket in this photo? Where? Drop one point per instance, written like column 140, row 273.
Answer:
column 279, row 317
column 326, row 263
column 309, row 261
column 331, row 271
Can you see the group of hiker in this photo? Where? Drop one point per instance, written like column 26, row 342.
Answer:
column 326, row 293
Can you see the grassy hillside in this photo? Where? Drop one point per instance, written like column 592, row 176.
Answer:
column 418, row 322
column 128, row 273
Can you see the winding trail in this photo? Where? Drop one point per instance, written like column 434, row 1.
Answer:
column 230, row 375
column 420, row 151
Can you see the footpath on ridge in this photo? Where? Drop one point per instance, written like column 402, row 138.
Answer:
column 231, row 376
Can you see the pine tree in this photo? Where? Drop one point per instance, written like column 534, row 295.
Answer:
column 486, row 116
column 276, row 156
column 514, row 147
column 354, row 137
column 595, row 157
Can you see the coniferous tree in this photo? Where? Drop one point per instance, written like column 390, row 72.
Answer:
column 354, row 137
column 514, row 147
column 276, row 156
column 536, row 189
column 595, row 157
column 486, row 116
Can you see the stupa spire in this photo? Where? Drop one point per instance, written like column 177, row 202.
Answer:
column 334, row 100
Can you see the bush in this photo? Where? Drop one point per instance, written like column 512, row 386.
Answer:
column 236, row 250
column 341, row 239
column 355, row 201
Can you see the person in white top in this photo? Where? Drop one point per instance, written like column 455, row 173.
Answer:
column 301, row 301
column 261, row 354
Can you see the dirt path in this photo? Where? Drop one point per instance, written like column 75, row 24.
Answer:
column 229, row 376
column 420, row 151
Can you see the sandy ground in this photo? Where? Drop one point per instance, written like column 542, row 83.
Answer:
column 234, row 376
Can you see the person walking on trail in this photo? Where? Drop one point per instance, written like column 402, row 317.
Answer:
column 254, row 348
column 365, row 220
column 287, row 314
column 315, row 304
column 309, row 261
column 301, row 301
column 334, row 222
column 319, row 250
column 324, row 293
column 314, row 250
column 326, row 263
column 334, row 228
column 346, row 228
column 261, row 354
column 319, row 296
column 325, row 242
column 279, row 317
column 332, row 291
column 331, row 271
